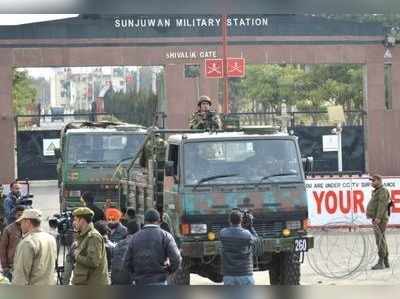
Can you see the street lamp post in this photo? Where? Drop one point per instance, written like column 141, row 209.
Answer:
column 338, row 131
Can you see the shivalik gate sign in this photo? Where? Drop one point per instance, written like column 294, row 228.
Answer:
column 344, row 200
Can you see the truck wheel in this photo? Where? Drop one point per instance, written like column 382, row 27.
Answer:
column 215, row 277
column 285, row 269
column 180, row 277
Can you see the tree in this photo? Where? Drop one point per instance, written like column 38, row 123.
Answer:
column 23, row 92
column 305, row 87
column 270, row 85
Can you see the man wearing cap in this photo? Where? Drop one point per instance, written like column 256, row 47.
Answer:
column 204, row 118
column 377, row 211
column 90, row 254
column 35, row 258
column 118, row 231
column 152, row 253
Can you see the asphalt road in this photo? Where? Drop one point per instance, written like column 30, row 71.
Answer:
column 336, row 253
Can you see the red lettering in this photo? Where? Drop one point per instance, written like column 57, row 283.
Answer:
column 318, row 200
column 395, row 194
column 331, row 208
column 358, row 197
column 344, row 208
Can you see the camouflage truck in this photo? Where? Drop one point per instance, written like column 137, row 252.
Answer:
column 91, row 157
column 196, row 179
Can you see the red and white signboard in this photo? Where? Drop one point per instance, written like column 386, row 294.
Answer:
column 345, row 200
column 214, row 68
column 235, row 67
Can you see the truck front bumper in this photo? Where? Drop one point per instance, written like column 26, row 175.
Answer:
column 208, row 248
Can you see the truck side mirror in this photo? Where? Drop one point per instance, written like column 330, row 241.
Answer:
column 169, row 168
column 57, row 153
column 308, row 164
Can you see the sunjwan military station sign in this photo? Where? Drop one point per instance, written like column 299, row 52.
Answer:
column 191, row 22
column 167, row 26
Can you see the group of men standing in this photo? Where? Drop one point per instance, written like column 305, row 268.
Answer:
column 143, row 256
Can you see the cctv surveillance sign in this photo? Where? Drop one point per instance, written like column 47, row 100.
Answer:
column 49, row 145
column 330, row 143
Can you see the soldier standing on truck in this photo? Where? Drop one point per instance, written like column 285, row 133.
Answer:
column 377, row 210
column 204, row 118
column 237, row 251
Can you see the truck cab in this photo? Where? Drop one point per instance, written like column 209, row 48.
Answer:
column 92, row 157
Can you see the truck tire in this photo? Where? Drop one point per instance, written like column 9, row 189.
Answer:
column 180, row 277
column 216, row 277
column 285, row 269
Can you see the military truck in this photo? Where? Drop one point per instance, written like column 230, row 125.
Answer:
column 203, row 176
column 91, row 157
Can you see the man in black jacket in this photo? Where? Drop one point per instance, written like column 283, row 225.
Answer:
column 237, row 252
column 89, row 200
column 152, row 253
column 119, row 274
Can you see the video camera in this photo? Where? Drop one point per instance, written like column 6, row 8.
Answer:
column 247, row 219
column 24, row 201
column 62, row 222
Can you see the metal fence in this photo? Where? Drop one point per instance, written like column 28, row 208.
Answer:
column 298, row 118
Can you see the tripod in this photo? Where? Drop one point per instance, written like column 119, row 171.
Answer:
column 64, row 250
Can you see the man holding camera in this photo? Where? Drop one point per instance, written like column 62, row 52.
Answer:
column 204, row 118
column 91, row 266
column 11, row 202
column 8, row 244
column 237, row 249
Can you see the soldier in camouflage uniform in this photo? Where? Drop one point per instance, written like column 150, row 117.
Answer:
column 91, row 266
column 204, row 118
column 377, row 210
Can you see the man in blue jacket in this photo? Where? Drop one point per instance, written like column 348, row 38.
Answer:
column 237, row 251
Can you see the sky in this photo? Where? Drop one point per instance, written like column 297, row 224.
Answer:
column 17, row 19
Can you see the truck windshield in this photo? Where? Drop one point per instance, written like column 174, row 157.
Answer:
column 102, row 148
column 252, row 161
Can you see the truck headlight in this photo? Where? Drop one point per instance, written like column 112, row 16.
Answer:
column 198, row 228
column 293, row 225
column 75, row 193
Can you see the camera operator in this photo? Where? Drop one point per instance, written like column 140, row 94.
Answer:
column 237, row 249
column 10, row 202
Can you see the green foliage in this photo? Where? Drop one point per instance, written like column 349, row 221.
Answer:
column 311, row 87
column 269, row 85
column 132, row 107
column 23, row 92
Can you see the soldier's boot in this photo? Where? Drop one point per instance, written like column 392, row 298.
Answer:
column 386, row 262
column 379, row 265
